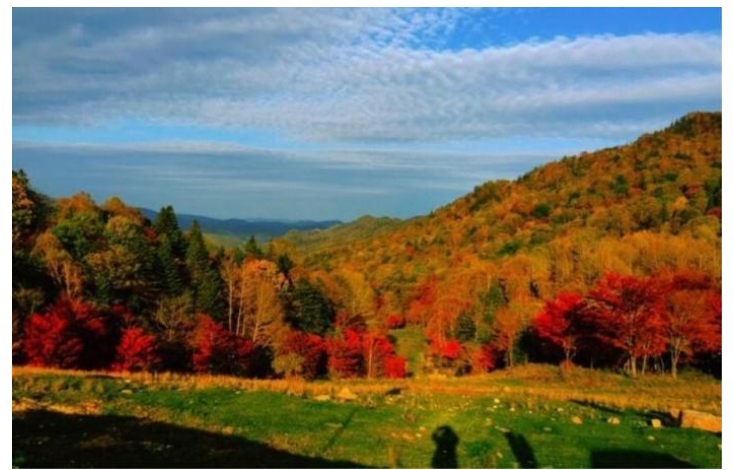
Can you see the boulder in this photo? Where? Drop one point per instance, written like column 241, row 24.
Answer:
column 614, row 420
column 699, row 420
column 322, row 398
column 576, row 420
column 656, row 423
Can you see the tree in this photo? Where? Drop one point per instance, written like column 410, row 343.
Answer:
column 136, row 351
column 465, row 327
column 71, row 334
column 218, row 351
column 508, row 325
column 691, row 319
column 301, row 353
column 628, row 313
column 345, row 355
column 560, row 322
column 62, row 267
column 311, row 311
column 252, row 249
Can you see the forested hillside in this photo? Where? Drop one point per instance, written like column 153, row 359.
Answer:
column 607, row 259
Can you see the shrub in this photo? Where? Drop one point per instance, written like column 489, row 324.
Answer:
column 218, row 351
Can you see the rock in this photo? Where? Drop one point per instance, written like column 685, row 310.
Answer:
column 322, row 398
column 614, row 420
column 126, row 391
column 559, row 410
column 346, row 395
column 576, row 420
column 656, row 423
column 547, row 429
column 228, row 430
column 699, row 420
column 651, row 438
column 496, row 400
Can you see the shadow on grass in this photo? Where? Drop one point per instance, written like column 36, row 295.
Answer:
column 522, row 450
column 46, row 439
column 611, row 458
column 446, row 440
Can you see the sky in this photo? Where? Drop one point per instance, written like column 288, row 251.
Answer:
column 336, row 113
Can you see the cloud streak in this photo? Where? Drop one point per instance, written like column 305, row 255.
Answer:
column 354, row 76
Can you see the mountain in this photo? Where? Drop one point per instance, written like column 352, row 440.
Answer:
column 231, row 231
column 312, row 241
column 635, row 209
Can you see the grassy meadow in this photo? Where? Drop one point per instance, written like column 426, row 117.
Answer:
column 530, row 417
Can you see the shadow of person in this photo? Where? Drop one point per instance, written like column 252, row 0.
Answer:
column 522, row 450
column 623, row 458
column 446, row 441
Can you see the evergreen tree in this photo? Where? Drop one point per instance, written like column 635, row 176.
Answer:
column 465, row 327
column 252, row 249
column 310, row 310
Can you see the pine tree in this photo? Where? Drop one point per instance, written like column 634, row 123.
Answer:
column 465, row 328
column 252, row 249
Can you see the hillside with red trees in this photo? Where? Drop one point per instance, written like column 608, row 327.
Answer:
column 610, row 259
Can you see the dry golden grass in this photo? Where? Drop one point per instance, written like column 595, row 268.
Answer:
column 530, row 383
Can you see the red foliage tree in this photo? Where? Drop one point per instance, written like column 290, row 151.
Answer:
column 560, row 322
column 627, row 312
column 692, row 316
column 312, row 350
column 484, row 359
column 71, row 334
column 345, row 357
column 395, row 322
column 136, row 351
column 217, row 350
column 395, row 367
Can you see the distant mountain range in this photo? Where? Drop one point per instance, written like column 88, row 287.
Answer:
column 227, row 230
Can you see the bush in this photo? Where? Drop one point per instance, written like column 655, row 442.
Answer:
column 218, row 351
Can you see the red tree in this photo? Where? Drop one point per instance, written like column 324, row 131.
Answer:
column 395, row 322
column 312, row 350
column 560, row 322
column 71, row 334
column 627, row 311
column 484, row 358
column 136, row 351
column 216, row 350
column 345, row 357
column 395, row 367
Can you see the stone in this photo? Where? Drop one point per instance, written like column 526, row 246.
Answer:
column 496, row 400
column 126, row 391
column 576, row 420
column 651, row 438
column 656, row 423
column 322, row 398
column 699, row 420
column 346, row 395
column 228, row 430
column 547, row 429
column 614, row 420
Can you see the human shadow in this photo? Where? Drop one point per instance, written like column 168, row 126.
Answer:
column 46, row 439
column 621, row 458
column 446, row 440
column 522, row 450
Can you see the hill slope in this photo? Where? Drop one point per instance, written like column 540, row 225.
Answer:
column 634, row 209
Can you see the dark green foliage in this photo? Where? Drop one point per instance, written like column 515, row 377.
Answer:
column 714, row 191
column 310, row 310
column 541, row 211
column 252, row 249
column 80, row 234
column 465, row 327
column 284, row 264
column 621, row 185
column 510, row 247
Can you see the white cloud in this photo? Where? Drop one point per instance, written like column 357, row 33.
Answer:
column 360, row 75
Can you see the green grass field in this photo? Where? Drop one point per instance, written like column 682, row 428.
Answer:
column 87, row 420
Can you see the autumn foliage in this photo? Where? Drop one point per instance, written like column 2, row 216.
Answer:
column 136, row 351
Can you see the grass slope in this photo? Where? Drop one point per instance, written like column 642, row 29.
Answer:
column 86, row 420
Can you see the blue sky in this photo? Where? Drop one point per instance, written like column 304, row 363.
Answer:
column 331, row 113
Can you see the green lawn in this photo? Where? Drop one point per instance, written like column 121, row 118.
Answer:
column 71, row 421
